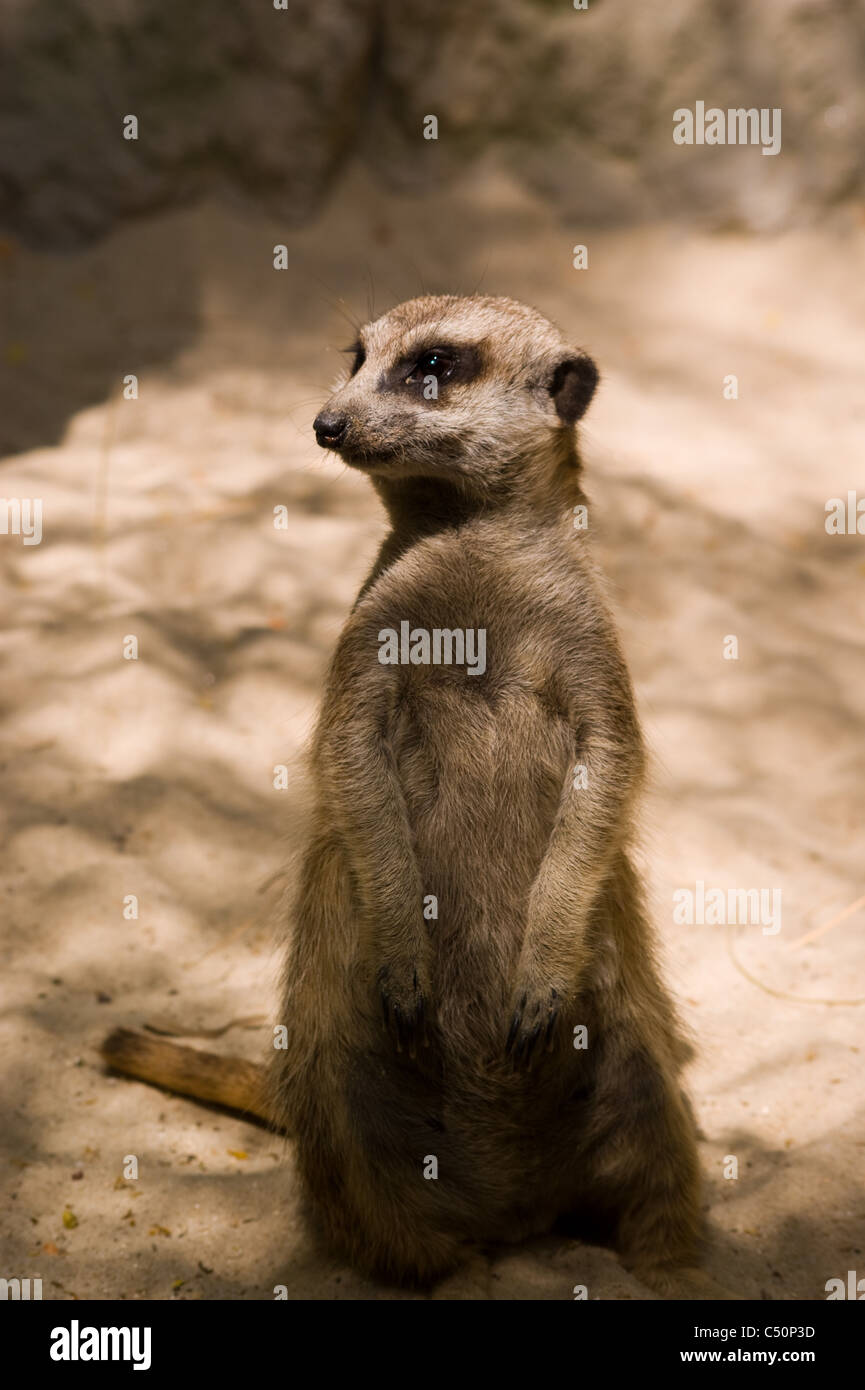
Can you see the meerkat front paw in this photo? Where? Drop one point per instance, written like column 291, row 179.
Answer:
column 404, row 1007
column 534, row 1020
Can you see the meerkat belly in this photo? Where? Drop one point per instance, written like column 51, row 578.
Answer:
column 482, row 778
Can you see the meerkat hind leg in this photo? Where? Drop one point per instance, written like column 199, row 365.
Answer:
column 644, row 1162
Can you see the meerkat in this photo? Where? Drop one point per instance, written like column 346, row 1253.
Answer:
column 478, row 1045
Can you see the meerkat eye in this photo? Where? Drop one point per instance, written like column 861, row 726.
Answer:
column 359, row 356
column 435, row 363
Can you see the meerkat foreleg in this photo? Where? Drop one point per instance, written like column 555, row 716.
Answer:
column 367, row 803
column 591, row 819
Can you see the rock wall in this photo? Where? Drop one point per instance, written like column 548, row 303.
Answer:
column 266, row 103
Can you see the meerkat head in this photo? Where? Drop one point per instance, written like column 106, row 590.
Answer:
column 475, row 391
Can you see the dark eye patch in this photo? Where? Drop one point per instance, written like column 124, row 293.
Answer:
column 445, row 363
column 357, row 348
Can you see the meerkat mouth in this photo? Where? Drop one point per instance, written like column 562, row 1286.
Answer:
column 356, row 456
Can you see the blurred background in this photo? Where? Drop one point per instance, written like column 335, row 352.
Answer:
column 147, row 786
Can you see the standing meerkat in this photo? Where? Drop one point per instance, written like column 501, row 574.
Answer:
column 479, row 1045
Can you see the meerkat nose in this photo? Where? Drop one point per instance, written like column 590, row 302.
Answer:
column 330, row 429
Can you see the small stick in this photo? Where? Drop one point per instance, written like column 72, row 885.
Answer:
column 827, row 926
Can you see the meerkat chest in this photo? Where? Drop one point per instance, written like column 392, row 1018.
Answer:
column 480, row 724
column 486, row 755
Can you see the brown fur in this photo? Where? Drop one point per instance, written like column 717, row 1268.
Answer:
column 453, row 1038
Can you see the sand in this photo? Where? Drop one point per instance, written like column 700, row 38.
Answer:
column 155, row 777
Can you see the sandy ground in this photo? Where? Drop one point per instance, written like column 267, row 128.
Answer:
column 155, row 777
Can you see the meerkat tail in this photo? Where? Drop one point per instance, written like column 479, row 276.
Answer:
column 228, row 1081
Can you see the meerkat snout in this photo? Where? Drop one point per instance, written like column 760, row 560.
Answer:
column 330, row 429
column 469, row 389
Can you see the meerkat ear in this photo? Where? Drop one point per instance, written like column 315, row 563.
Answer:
column 573, row 386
